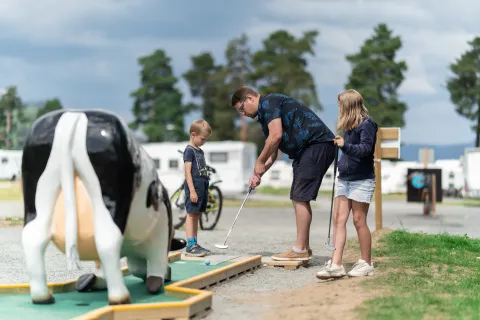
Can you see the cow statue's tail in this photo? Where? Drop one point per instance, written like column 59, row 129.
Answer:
column 68, row 125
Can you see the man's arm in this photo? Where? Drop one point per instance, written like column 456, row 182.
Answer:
column 272, row 142
column 271, row 160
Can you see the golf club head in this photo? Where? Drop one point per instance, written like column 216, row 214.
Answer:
column 328, row 246
column 221, row 246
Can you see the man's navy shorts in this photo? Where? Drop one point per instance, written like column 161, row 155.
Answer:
column 201, row 188
column 309, row 169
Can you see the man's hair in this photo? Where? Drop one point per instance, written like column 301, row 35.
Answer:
column 200, row 126
column 352, row 110
column 242, row 93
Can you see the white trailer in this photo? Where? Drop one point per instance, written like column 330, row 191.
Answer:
column 280, row 175
column 233, row 161
column 471, row 171
column 10, row 164
column 453, row 180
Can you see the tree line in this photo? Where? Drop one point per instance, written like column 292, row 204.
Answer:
column 280, row 65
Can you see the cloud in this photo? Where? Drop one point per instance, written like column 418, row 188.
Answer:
column 86, row 52
column 53, row 22
column 345, row 25
column 436, row 122
column 416, row 80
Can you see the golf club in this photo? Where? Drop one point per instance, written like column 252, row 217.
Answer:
column 224, row 246
column 328, row 244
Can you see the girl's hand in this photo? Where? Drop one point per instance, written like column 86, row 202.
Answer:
column 339, row 141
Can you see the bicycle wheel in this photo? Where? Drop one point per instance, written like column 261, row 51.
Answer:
column 209, row 218
column 179, row 212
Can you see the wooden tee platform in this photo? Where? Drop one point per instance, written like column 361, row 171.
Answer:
column 191, row 298
column 289, row 265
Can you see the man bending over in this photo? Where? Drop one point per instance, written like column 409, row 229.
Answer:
column 294, row 129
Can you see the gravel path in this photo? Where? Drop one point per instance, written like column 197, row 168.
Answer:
column 257, row 231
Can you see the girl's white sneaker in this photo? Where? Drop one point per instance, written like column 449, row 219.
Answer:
column 361, row 269
column 331, row 270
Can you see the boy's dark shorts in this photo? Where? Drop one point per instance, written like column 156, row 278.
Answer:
column 309, row 169
column 201, row 188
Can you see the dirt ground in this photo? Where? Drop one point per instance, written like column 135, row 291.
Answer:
column 332, row 299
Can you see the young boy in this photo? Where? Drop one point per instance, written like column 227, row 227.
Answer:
column 196, row 185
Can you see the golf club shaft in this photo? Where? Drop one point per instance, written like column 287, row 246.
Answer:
column 333, row 188
column 249, row 190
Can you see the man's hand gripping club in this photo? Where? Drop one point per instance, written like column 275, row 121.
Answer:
column 269, row 153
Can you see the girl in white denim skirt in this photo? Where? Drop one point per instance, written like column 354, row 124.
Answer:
column 355, row 186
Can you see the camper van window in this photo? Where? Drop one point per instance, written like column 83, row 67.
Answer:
column 216, row 157
column 157, row 163
column 173, row 164
column 4, row 160
column 275, row 175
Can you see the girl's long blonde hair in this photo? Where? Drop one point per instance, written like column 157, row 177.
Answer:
column 352, row 110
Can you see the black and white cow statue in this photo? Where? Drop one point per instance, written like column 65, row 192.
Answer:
column 94, row 191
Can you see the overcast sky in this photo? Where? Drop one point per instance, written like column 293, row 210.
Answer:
column 85, row 52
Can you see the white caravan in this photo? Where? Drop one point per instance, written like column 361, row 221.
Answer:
column 280, row 175
column 471, row 169
column 232, row 160
column 10, row 164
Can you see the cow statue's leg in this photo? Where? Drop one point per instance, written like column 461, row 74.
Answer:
column 92, row 281
column 37, row 233
column 157, row 262
column 137, row 267
column 108, row 238
column 157, row 256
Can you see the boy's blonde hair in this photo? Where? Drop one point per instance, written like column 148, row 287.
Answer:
column 352, row 110
column 200, row 127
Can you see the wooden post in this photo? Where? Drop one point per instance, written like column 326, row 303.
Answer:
column 425, row 158
column 378, row 181
column 386, row 147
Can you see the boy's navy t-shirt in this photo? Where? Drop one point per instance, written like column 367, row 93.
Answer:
column 197, row 158
column 300, row 125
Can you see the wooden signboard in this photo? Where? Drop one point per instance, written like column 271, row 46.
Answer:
column 387, row 147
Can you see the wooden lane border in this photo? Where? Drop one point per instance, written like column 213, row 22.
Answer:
column 65, row 286
column 196, row 300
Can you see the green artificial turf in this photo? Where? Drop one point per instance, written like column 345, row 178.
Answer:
column 73, row 304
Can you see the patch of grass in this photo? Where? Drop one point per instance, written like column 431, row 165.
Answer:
column 429, row 276
column 13, row 193
column 464, row 203
column 11, row 222
column 259, row 204
column 273, row 191
column 286, row 192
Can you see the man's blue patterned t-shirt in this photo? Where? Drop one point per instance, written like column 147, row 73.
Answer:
column 300, row 125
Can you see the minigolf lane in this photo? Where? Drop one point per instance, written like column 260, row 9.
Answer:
column 88, row 305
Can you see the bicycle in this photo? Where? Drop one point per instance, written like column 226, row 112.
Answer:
column 214, row 203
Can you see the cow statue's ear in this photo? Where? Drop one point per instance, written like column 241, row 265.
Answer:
column 152, row 196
